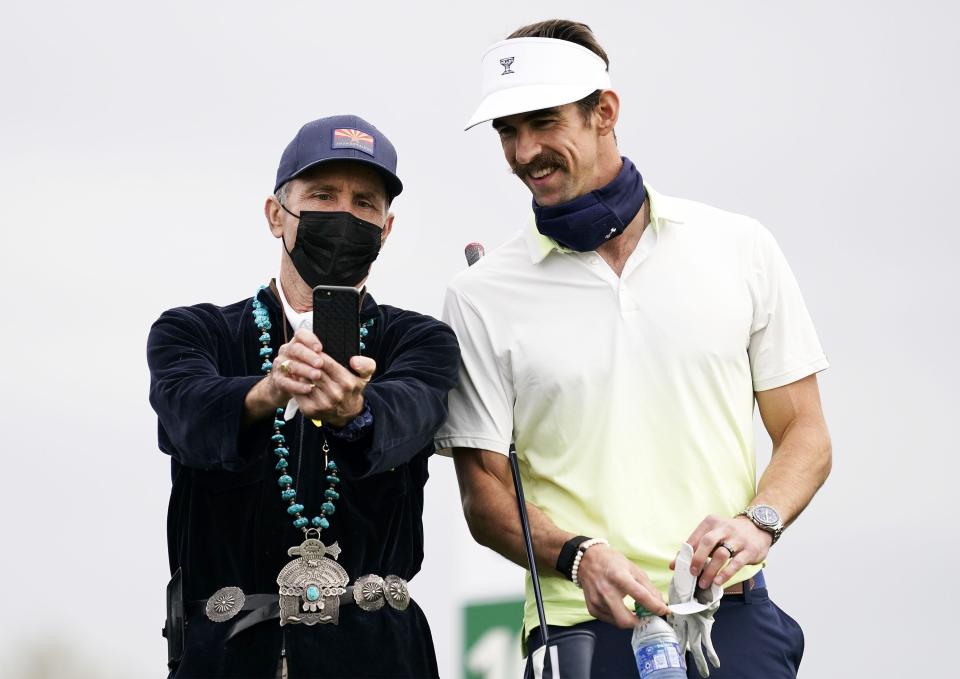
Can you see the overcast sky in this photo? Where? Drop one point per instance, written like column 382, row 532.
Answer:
column 138, row 142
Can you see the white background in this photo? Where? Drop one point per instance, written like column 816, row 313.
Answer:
column 138, row 142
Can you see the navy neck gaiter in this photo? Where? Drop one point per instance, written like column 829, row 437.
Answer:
column 587, row 222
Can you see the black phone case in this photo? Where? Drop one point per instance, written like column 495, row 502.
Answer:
column 336, row 321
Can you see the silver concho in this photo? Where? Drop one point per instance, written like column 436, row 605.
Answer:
column 396, row 593
column 224, row 604
column 368, row 592
column 310, row 586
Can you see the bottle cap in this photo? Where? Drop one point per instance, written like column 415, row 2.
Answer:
column 641, row 611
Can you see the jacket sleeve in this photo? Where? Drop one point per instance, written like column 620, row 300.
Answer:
column 199, row 409
column 408, row 400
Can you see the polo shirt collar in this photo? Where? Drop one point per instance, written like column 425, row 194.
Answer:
column 662, row 209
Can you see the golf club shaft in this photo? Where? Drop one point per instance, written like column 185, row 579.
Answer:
column 528, row 541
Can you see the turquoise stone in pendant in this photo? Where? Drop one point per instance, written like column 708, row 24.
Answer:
column 316, row 521
column 294, row 509
column 301, row 522
column 313, row 593
column 328, row 507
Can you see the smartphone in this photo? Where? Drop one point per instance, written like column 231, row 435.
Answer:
column 336, row 321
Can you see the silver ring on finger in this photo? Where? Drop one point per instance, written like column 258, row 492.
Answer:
column 726, row 546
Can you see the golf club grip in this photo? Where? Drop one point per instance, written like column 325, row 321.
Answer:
column 525, row 527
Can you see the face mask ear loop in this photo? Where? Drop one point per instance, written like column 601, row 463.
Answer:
column 282, row 238
column 287, row 211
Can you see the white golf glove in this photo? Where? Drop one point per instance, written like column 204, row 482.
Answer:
column 693, row 629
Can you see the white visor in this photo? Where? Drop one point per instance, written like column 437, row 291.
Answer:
column 529, row 74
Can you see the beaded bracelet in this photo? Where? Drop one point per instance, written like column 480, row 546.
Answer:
column 584, row 546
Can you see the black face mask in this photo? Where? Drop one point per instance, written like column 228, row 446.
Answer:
column 333, row 248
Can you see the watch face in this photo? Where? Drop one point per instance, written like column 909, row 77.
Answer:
column 766, row 515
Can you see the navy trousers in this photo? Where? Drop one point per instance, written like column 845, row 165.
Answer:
column 753, row 637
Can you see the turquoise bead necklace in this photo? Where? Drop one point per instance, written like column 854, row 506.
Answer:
column 288, row 493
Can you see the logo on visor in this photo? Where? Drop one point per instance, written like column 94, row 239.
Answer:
column 353, row 139
column 505, row 62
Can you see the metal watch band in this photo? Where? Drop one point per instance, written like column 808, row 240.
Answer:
column 775, row 531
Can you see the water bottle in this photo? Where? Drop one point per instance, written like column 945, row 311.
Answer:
column 656, row 649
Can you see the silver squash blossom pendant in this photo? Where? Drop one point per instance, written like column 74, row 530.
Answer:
column 310, row 586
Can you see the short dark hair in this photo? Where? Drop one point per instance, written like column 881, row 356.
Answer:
column 572, row 31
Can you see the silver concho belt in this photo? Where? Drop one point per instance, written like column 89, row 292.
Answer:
column 369, row 592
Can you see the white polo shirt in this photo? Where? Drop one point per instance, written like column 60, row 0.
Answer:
column 630, row 399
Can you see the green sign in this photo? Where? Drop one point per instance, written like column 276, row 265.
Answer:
column 492, row 640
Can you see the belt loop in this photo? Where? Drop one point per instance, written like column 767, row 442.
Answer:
column 748, row 591
column 756, row 582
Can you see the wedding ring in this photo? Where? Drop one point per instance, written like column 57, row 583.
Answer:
column 285, row 366
column 730, row 549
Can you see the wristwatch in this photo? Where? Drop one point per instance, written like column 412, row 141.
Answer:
column 765, row 518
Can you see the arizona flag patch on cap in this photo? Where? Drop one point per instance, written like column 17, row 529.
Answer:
column 344, row 138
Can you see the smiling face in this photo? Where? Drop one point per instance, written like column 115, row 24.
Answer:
column 559, row 153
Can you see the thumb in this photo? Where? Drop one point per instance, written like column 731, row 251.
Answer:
column 363, row 366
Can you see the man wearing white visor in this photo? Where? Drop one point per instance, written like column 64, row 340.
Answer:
column 621, row 341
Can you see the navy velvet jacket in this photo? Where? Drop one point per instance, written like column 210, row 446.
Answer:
column 227, row 524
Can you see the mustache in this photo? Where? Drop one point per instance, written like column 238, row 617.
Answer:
column 540, row 162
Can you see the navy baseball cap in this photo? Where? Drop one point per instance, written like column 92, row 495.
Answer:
column 340, row 138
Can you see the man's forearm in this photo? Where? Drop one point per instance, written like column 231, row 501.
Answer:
column 800, row 464
column 490, row 508
column 499, row 529
column 261, row 402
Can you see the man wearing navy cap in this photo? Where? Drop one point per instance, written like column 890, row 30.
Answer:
column 294, row 522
